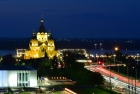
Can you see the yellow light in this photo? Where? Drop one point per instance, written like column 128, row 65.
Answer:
column 116, row 48
column 70, row 91
column 41, row 20
column 35, row 50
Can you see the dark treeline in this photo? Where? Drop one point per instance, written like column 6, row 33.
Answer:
column 81, row 76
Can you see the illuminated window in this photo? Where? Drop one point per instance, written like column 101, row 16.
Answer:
column 19, row 76
column 23, row 78
column 26, row 76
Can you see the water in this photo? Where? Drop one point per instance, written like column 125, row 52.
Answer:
column 5, row 52
column 99, row 52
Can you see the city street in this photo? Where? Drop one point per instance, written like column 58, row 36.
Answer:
column 116, row 79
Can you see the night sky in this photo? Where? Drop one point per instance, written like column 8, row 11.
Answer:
column 71, row 18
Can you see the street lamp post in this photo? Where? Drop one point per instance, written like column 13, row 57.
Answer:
column 128, row 77
column 97, row 58
column 102, row 54
column 100, row 45
column 114, row 58
column 100, row 48
column 95, row 49
column 126, row 52
column 118, row 66
column 110, row 75
column 135, row 77
column 128, row 74
column 132, row 79
column 136, row 71
column 116, row 49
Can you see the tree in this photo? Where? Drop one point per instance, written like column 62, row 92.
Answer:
column 44, row 64
column 54, row 62
column 23, row 64
column 107, row 54
column 84, row 77
column 69, row 58
column 107, row 58
column 8, row 60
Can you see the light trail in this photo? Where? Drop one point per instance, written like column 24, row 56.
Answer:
column 121, row 81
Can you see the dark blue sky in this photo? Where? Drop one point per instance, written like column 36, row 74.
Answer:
column 71, row 18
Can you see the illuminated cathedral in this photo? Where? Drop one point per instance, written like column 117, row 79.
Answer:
column 41, row 45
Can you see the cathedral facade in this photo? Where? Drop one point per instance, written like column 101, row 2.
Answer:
column 41, row 45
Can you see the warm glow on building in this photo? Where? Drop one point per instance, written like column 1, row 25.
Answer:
column 41, row 44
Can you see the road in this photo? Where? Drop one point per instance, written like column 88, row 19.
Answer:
column 107, row 65
column 120, row 80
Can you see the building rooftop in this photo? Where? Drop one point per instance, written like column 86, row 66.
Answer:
column 16, row 68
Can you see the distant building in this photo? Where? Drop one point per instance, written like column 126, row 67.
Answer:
column 18, row 76
column 41, row 44
column 80, row 51
column 20, row 52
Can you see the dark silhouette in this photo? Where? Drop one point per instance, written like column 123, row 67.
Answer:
column 8, row 60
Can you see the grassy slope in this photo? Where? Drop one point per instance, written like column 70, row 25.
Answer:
column 59, row 92
column 92, row 91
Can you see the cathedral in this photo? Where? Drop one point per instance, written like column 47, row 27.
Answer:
column 41, row 45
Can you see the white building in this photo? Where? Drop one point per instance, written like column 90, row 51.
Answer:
column 18, row 76
column 20, row 52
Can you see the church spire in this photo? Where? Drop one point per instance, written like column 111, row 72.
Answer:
column 50, row 35
column 42, row 28
column 42, row 21
column 34, row 35
column 33, row 32
column 42, row 16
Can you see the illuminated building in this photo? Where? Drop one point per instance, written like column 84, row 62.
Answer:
column 18, row 76
column 20, row 52
column 41, row 45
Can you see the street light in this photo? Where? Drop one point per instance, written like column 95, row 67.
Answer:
column 116, row 49
column 128, row 77
column 129, row 73
column 136, row 71
column 102, row 53
column 132, row 76
column 95, row 49
column 101, row 48
column 126, row 52
column 100, row 45
column 137, row 57
column 97, row 58
column 135, row 76
column 114, row 58
column 118, row 67
column 110, row 76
